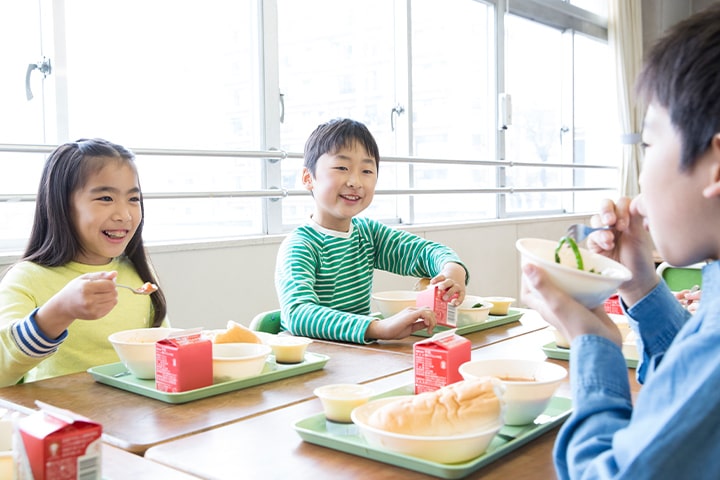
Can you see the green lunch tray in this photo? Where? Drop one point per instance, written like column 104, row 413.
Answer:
column 492, row 321
column 346, row 438
column 114, row 374
column 553, row 351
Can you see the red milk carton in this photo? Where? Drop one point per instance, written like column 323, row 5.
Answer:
column 445, row 312
column 57, row 444
column 437, row 360
column 612, row 305
column 183, row 361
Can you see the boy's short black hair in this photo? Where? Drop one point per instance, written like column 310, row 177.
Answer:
column 336, row 134
column 682, row 74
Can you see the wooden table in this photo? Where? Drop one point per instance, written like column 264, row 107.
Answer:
column 118, row 464
column 530, row 321
column 266, row 445
column 134, row 422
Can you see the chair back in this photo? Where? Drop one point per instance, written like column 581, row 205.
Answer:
column 268, row 322
column 681, row 278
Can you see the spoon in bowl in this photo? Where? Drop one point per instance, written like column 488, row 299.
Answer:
column 146, row 289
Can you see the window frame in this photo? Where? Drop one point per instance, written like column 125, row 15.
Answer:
column 554, row 13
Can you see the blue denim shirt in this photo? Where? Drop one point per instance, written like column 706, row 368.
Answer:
column 673, row 430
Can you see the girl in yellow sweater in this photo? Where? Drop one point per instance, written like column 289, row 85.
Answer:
column 58, row 303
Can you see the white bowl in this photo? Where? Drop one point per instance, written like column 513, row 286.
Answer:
column 590, row 289
column 529, row 384
column 451, row 449
column 340, row 399
column 619, row 320
column 467, row 315
column 234, row 361
column 287, row 348
column 392, row 302
column 136, row 349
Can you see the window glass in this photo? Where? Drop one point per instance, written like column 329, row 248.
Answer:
column 597, row 129
column 178, row 75
column 535, row 67
column 181, row 74
column 21, row 118
column 339, row 61
column 453, row 107
column 345, row 62
column 598, row 7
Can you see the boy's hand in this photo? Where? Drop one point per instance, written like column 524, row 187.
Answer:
column 402, row 324
column 561, row 311
column 452, row 281
column 628, row 243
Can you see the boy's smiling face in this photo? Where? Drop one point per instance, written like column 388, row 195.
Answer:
column 343, row 186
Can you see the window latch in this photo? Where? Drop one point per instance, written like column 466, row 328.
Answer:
column 397, row 110
column 45, row 67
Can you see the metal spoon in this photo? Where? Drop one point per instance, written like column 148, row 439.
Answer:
column 146, row 289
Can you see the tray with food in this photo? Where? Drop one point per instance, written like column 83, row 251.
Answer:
column 450, row 454
column 118, row 376
column 561, row 353
column 513, row 315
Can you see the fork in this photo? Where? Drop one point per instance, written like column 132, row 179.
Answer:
column 146, row 289
column 580, row 232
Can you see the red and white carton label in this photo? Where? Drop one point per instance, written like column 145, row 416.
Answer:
column 432, row 298
column 437, row 360
column 612, row 305
column 57, row 444
column 183, row 361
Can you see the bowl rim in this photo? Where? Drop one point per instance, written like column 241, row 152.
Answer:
column 286, row 340
column 500, row 298
column 363, row 391
column 485, row 306
column 492, row 428
column 520, row 244
column 550, row 365
column 112, row 338
column 264, row 351
column 380, row 295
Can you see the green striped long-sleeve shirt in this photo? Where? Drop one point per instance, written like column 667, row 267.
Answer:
column 324, row 278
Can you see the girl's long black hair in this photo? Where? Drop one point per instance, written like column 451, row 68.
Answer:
column 53, row 239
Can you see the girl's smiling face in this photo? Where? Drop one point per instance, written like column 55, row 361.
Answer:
column 343, row 186
column 106, row 212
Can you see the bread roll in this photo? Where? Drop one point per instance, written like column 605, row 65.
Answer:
column 236, row 333
column 422, row 284
column 459, row 408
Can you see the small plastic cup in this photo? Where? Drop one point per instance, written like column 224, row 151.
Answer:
column 501, row 305
column 287, row 348
column 340, row 399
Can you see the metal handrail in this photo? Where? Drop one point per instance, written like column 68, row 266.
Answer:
column 275, row 154
column 275, row 193
column 281, row 193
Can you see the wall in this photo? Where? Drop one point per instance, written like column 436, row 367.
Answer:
column 659, row 15
column 207, row 285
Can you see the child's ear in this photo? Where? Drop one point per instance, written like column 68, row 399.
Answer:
column 713, row 189
column 307, row 179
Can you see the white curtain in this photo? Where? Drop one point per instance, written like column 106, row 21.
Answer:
column 625, row 40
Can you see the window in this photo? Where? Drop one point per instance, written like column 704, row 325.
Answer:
column 424, row 75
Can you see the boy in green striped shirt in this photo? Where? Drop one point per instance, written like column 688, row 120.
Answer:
column 324, row 269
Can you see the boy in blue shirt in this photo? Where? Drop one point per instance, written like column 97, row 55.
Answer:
column 672, row 429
